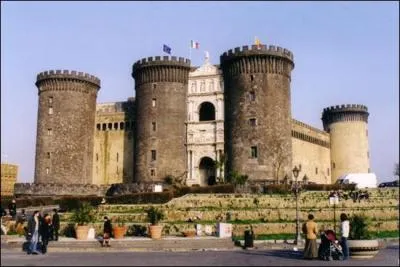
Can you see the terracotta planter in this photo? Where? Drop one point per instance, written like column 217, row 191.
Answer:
column 363, row 249
column 155, row 231
column 119, row 232
column 189, row 233
column 82, row 232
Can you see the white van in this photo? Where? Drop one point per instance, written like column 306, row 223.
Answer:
column 362, row 180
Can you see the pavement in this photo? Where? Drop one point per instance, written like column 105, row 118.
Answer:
column 167, row 243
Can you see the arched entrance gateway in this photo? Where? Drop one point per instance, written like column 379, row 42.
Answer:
column 207, row 171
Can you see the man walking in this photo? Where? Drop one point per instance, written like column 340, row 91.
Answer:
column 56, row 225
column 33, row 232
column 12, row 209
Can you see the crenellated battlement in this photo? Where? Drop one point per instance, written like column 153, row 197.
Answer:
column 340, row 113
column 161, row 69
column 347, row 107
column 257, row 50
column 164, row 61
column 66, row 74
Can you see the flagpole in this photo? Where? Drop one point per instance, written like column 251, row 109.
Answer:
column 190, row 53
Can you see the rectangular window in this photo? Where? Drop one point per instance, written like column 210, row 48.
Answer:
column 47, row 170
column 153, row 155
column 153, row 102
column 252, row 77
column 117, row 157
column 316, row 170
column 154, row 86
column 50, row 110
column 48, row 155
column 152, row 172
column 50, row 100
column 333, row 165
column 49, row 131
column 253, row 152
column 252, row 96
column 97, row 157
column 154, row 126
column 253, row 122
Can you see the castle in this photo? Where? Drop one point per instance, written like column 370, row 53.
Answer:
column 184, row 119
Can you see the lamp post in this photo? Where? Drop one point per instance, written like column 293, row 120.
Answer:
column 295, row 189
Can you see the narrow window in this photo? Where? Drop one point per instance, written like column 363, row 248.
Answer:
column 316, row 170
column 327, row 170
column 50, row 110
column 48, row 155
column 50, row 100
column 153, row 102
column 104, row 126
column 115, row 125
column 253, row 152
column 110, row 126
column 333, row 165
column 98, row 126
column 252, row 77
column 154, row 125
column 153, row 155
column 252, row 122
column 121, row 125
column 49, row 131
column 252, row 96
column 117, row 157
column 97, row 157
column 154, row 86
column 152, row 172
column 47, row 170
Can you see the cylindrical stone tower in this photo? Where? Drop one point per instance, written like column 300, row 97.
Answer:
column 160, row 132
column 258, row 111
column 348, row 129
column 65, row 127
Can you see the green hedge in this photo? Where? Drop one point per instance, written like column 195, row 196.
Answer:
column 221, row 188
column 141, row 198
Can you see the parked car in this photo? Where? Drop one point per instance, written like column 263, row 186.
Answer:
column 389, row 184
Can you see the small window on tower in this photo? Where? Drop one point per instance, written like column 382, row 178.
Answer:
column 117, row 157
column 50, row 100
column 154, row 86
column 153, row 155
column 49, row 131
column 252, row 96
column 50, row 110
column 253, row 122
column 316, row 170
column 252, row 77
column 154, row 125
column 47, row 170
column 254, row 152
column 153, row 172
column 48, row 155
column 153, row 102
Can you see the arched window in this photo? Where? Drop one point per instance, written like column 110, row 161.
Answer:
column 207, row 112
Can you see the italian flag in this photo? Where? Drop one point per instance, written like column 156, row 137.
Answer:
column 194, row 44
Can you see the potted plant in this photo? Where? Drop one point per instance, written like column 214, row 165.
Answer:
column 361, row 243
column 154, row 215
column 119, row 228
column 82, row 216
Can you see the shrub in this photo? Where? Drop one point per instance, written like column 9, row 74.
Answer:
column 84, row 214
column 359, row 227
column 154, row 215
column 277, row 189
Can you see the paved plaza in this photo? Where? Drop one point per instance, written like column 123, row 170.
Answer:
column 388, row 256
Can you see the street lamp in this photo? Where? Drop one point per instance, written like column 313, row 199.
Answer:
column 296, row 189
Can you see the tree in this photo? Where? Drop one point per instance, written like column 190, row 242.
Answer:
column 279, row 157
column 220, row 165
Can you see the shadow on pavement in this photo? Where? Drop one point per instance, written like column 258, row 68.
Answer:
column 287, row 254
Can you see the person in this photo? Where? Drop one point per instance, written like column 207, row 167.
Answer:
column 344, row 231
column 3, row 211
column 12, row 209
column 107, row 229
column 310, row 229
column 33, row 232
column 56, row 225
column 44, row 231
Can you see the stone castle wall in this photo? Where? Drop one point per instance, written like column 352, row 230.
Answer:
column 65, row 132
column 114, row 143
column 9, row 174
column 161, row 111
column 258, row 111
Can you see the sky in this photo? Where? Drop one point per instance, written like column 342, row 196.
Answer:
column 344, row 53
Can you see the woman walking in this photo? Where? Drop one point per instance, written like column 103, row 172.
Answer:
column 107, row 229
column 344, row 231
column 310, row 229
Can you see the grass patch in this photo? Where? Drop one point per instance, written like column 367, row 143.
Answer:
column 385, row 234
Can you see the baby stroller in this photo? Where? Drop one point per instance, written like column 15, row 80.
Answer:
column 330, row 249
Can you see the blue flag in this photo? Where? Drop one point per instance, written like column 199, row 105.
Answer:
column 167, row 49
